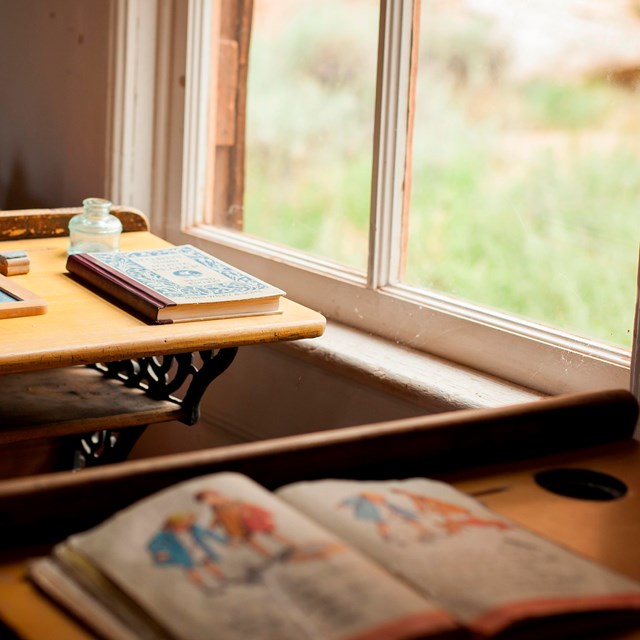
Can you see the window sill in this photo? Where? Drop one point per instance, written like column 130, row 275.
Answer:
column 433, row 383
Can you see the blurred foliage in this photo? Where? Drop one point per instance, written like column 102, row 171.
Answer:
column 525, row 195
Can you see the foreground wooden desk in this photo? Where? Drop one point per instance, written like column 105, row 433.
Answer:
column 589, row 430
column 82, row 327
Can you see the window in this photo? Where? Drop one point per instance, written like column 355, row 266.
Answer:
column 365, row 271
column 310, row 123
column 526, row 161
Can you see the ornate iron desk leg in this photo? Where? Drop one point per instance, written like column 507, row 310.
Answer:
column 181, row 378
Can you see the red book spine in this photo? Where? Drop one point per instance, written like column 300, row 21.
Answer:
column 129, row 291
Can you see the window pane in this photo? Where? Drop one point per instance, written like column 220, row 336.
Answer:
column 310, row 112
column 526, row 164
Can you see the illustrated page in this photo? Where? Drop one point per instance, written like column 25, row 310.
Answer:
column 221, row 557
column 480, row 566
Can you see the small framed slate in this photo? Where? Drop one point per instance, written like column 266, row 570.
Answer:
column 16, row 300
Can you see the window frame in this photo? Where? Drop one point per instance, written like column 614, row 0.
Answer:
column 510, row 348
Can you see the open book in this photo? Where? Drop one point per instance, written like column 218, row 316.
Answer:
column 221, row 557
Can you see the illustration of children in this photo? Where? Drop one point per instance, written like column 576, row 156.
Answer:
column 184, row 543
column 454, row 517
column 372, row 507
column 242, row 521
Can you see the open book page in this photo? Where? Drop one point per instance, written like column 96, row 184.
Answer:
column 484, row 569
column 220, row 556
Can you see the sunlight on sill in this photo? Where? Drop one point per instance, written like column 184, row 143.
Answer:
column 431, row 382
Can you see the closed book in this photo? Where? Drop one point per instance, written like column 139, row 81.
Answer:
column 176, row 284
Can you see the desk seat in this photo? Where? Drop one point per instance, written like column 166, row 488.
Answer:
column 47, row 416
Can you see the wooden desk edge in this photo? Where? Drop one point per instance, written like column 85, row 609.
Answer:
column 307, row 324
column 428, row 445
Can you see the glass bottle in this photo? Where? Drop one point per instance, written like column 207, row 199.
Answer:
column 95, row 229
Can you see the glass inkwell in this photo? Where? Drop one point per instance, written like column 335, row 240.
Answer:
column 95, row 229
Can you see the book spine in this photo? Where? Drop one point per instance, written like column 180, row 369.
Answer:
column 110, row 281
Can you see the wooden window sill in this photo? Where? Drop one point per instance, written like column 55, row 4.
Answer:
column 428, row 381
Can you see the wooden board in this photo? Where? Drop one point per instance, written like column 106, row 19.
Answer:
column 605, row 530
column 23, row 224
column 74, row 400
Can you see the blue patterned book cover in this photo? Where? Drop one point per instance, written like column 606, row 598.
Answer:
column 185, row 274
column 176, row 284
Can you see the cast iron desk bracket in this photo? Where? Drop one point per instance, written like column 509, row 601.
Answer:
column 182, row 378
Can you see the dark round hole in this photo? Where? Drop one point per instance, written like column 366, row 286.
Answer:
column 583, row 484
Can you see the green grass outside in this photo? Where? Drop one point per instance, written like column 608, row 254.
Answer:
column 553, row 236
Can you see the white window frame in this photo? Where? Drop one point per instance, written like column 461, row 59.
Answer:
column 509, row 348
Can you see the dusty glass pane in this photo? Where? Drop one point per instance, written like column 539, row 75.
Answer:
column 311, row 97
column 526, row 176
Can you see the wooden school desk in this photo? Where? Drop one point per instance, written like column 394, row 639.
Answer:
column 493, row 454
column 83, row 327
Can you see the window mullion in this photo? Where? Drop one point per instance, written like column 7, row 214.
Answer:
column 195, row 164
column 132, row 57
column 390, row 141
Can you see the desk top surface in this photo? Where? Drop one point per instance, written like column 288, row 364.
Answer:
column 82, row 327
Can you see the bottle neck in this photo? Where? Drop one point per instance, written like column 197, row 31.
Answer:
column 96, row 208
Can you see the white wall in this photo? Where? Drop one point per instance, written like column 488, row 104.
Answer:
column 53, row 101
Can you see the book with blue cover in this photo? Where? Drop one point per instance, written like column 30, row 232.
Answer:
column 176, row 284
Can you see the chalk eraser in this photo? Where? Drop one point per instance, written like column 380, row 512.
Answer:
column 14, row 263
